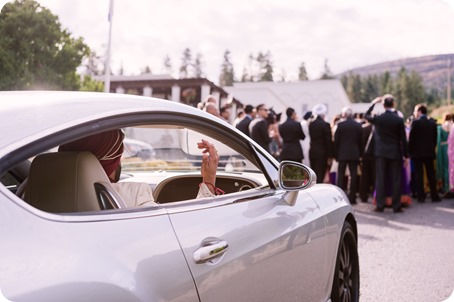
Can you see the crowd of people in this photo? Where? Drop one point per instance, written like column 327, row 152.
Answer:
column 383, row 157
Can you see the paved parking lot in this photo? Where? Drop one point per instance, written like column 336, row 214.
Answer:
column 408, row 256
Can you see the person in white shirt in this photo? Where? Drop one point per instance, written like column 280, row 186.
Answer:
column 108, row 149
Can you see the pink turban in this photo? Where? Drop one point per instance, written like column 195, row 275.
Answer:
column 106, row 146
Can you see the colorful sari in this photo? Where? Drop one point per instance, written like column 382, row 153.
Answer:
column 451, row 160
column 442, row 159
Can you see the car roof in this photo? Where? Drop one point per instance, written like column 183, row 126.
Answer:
column 29, row 115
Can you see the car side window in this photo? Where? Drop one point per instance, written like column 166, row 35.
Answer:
column 10, row 182
column 168, row 159
column 160, row 164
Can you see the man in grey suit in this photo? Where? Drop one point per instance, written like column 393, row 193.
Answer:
column 390, row 148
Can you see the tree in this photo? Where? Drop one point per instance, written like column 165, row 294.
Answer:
column 245, row 77
column 198, row 72
column 265, row 67
column 93, row 61
column 167, row 65
column 185, row 67
column 371, row 88
column 227, row 77
column 327, row 74
column 35, row 52
column 146, row 70
column 386, row 83
column 302, row 73
column 121, row 70
column 353, row 86
column 283, row 75
column 402, row 91
column 249, row 73
column 89, row 84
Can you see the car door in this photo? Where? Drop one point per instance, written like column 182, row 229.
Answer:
column 117, row 256
column 262, row 249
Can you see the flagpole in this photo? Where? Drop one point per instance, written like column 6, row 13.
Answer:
column 107, row 65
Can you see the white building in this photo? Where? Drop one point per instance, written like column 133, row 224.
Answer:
column 300, row 95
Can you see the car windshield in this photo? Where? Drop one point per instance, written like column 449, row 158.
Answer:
column 156, row 148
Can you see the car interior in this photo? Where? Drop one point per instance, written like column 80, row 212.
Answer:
column 78, row 178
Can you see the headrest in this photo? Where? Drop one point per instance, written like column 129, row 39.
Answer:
column 65, row 182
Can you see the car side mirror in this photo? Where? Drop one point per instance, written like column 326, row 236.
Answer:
column 295, row 176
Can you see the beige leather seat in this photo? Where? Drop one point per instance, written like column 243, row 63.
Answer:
column 65, row 182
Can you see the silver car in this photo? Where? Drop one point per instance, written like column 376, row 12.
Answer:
column 67, row 235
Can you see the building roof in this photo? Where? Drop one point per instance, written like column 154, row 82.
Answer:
column 300, row 95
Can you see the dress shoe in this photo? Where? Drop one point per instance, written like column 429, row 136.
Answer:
column 448, row 195
column 422, row 199
column 436, row 199
column 378, row 209
column 398, row 210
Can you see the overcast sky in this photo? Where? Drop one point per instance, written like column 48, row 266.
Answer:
column 348, row 33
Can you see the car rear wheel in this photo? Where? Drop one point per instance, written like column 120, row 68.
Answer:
column 346, row 275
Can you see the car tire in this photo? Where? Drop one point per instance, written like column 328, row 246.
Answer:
column 346, row 274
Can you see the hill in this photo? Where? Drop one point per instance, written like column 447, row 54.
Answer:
column 433, row 69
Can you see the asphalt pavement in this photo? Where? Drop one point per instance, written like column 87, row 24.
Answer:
column 407, row 256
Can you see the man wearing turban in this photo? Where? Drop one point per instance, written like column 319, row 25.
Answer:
column 108, row 149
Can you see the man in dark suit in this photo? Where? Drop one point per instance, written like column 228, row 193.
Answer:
column 348, row 151
column 421, row 146
column 390, row 147
column 243, row 125
column 258, row 128
column 291, row 133
column 367, row 182
column 321, row 148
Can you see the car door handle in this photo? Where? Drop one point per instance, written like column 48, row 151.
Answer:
column 210, row 250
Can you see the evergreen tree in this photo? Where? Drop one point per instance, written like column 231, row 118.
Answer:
column 327, row 74
column 302, row 73
column 226, row 78
column 344, row 81
column 386, row 83
column 185, row 68
column 198, row 73
column 416, row 92
column 371, row 88
column 121, row 71
column 245, row 77
column 353, row 87
column 265, row 67
column 402, row 93
column 283, row 77
column 146, row 70
column 167, row 68
column 408, row 89
column 249, row 74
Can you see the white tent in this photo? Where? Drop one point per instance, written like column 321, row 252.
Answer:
column 301, row 95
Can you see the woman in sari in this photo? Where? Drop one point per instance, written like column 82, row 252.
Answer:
column 451, row 161
column 442, row 167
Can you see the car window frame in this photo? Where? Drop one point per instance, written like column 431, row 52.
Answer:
column 218, row 131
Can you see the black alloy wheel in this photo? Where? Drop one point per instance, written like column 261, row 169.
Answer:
column 346, row 275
